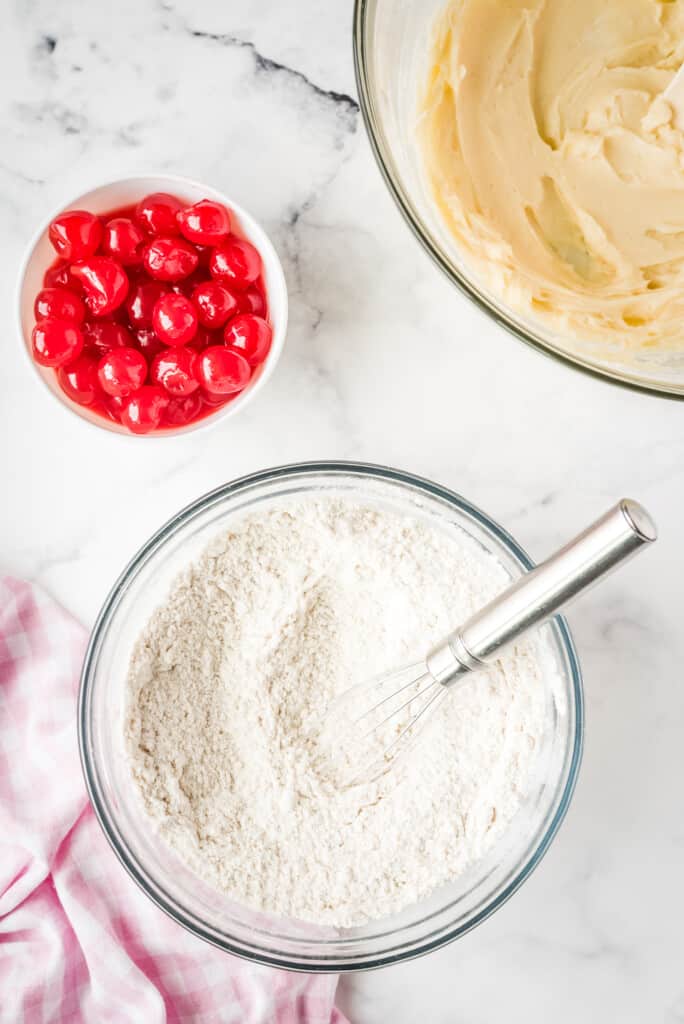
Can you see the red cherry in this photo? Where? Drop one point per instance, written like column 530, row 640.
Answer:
column 204, row 252
column 180, row 411
column 148, row 343
column 215, row 304
column 144, row 409
column 206, row 223
column 188, row 284
column 142, row 299
column 215, row 400
column 119, row 315
column 122, row 241
column 75, row 235
column 252, row 301
column 104, row 282
column 222, row 371
column 169, row 259
column 59, row 304
column 204, row 338
column 174, row 319
column 56, row 342
column 174, row 369
column 79, row 380
column 249, row 335
column 101, row 336
column 235, row 262
column 59, row 276
column 122, row 371
column 113, row 405
column 157, row 213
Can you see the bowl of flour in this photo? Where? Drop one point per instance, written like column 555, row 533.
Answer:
column 207, row 681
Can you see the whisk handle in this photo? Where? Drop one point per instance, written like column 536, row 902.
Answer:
column 540, row 593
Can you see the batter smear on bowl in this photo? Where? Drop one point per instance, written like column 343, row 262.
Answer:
column 557, row 165
column 232, row 677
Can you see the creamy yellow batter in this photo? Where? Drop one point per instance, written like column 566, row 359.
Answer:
column 557, row 164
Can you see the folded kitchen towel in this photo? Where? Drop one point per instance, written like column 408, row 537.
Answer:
column 78, row 940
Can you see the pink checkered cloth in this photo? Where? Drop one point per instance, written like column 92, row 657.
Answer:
column 78, row 940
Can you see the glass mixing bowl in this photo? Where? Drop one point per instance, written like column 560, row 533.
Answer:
column 391, row 48
column 447, row 913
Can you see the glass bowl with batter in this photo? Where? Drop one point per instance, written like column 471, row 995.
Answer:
column 447, row 912
column 529, row 147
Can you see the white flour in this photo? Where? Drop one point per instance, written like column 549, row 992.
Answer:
column 230, row 678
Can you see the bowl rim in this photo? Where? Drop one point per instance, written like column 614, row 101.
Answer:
column 244, row 216
column 255, row 953
column 362, row 9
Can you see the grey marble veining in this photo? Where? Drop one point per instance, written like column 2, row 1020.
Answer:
column 384, row 362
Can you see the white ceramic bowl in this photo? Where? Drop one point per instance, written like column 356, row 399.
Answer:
column 125, row 192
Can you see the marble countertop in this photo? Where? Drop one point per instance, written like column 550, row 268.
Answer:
column 386, row 363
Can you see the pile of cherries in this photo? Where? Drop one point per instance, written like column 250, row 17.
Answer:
column 153, row 315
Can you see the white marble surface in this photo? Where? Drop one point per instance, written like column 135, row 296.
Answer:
column 384, row 362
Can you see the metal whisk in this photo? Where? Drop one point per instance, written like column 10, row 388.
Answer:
column 375, row 721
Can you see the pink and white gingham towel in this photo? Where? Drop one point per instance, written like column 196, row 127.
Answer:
column 79, row 942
